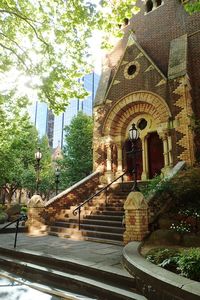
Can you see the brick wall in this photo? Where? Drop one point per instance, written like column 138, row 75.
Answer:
column 154, row 31
column 71, row 197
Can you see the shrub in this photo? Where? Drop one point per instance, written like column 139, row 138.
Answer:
column 185, row 188
column 24, row 210
column 189, row 263
column 156, row 185
column 159, row 255
column 3, row 217
column 182, row 227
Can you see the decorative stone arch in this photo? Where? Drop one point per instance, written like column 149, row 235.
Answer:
column 132, row 108
column 136, row 103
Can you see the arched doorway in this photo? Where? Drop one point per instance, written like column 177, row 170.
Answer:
column 155, row 154
column 129, row 159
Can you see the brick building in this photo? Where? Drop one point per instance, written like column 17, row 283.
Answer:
column 152, row 79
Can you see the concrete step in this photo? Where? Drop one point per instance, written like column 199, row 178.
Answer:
column 69, row 276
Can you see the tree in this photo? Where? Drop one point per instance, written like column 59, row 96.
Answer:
column 193, row 6
column 47, row 43
column 77, row 153
column 46, row 180
column 18, row 165
column 47, row 177
column 17, row 158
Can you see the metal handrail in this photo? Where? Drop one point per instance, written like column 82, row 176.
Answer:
column 78, row 208
column 22, row 217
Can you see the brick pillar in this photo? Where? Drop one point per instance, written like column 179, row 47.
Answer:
column 35, row 221
column 136, row 217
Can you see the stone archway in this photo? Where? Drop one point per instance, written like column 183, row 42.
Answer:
column 130, row 110
column 123, row 111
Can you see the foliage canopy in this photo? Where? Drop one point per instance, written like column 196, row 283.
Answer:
column 77, row 154
column 47, row 42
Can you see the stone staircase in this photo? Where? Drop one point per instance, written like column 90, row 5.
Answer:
column 101, row 220
column 61, row 276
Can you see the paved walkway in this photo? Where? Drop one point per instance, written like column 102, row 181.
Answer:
column 98, row 255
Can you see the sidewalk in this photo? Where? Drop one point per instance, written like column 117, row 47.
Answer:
column 98, row 255
column 105, row 257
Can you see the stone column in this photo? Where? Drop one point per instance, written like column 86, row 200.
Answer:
column 170, row 150
column 109, row 174
column 166, row 169
column 36, row 223
column 108, row 160
column 165, row 150
column 136, row 217
column 144, row 175
column 119, row 158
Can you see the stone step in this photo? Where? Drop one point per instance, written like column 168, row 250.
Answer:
column 112, row 208
column 104, row 217
column 102, row 222
column 94, row 227
column 101, row 234
column 110, row 212
column 89, row 232
column 103, row 240
column 68, row 276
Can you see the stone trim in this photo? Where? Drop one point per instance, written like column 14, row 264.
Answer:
column 184, row 103
column 137, row 65
column 59, row 206
column 137, row 102
column 71, row 188
column 156, row 283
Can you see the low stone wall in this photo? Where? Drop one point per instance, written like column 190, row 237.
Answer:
column 74, row 195
column 156, row 283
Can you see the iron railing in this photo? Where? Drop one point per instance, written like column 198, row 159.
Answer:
column 78, row 208
column 22, row 217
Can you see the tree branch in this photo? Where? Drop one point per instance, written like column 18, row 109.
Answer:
column 11, row 50
column 27, row 20
column 14, row 42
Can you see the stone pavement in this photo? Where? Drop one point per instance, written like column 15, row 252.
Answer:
column 98, row 255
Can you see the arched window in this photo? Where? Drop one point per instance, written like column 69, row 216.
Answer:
column 158, row 3
column 149, row 5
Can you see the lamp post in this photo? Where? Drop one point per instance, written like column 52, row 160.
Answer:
column 133, row 137
column 38, row 156
column 57, row 175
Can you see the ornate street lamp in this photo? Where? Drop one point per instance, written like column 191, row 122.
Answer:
column 133, row 137
column 38, row 156
column 57, row 180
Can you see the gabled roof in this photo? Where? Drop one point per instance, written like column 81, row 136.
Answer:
column 106, row 83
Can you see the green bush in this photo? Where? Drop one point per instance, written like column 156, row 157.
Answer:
column 24, row 210
column 3, row 217
column 185, row 188
column 158, row 255
column 156, row 185
column 189, row 263
column 184, row 262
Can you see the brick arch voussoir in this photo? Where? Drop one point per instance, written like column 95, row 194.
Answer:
column 140, row 102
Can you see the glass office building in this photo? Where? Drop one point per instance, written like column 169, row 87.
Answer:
column 53, row 126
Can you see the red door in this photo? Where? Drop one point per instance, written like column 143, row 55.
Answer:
column 155, row 154
column 129, row 159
